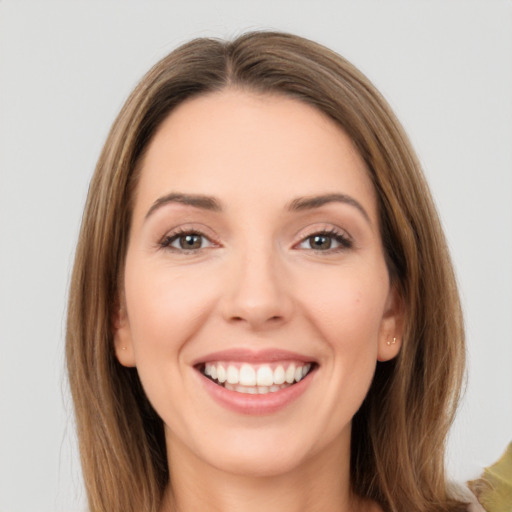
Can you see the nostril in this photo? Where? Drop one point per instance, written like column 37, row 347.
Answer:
column 257, row 319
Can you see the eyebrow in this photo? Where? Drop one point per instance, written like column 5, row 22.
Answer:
column 198, row 201
column 308, row 203
column 298, row 204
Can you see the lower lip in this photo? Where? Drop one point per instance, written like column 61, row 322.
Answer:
column 257, row 405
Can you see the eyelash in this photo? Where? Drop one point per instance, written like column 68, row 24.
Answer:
column 333, row 234
column 168, row 240
column 342, row 239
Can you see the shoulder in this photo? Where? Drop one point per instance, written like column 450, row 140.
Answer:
column 463, row 493
column 474, row 506
column 494, row 487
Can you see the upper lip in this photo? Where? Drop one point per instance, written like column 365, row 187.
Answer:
column 254, row 356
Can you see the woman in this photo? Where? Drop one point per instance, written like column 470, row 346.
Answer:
column 263, row 312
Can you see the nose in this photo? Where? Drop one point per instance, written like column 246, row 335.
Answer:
column 257, row 294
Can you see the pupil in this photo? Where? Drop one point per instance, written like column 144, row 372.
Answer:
column 321, row 242
column 191, row 241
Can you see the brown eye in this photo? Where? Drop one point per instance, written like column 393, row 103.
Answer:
column 190, row 241
column 326, row 242
column 320, row 242
column 186, row 242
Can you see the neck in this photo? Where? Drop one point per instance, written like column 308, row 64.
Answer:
column 320, row 484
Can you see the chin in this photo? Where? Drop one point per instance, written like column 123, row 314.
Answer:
column 258, row 464
column 270, row 451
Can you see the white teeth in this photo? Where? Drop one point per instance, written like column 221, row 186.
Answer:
column 265, row 376
column 279, row 375
column 253, row 390
column 232, row 375
column 221, row 374
column 256, row 379
column 290, row 374
column 247, row 375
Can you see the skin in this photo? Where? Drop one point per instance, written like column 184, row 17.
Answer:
column 258, row 282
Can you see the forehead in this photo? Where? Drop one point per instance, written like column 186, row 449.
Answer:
column 254, row 146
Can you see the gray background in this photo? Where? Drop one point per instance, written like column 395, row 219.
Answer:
column 65, row 69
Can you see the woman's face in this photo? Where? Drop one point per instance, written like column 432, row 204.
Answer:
column 256, row 297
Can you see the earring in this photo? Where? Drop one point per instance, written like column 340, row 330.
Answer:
column 123, row 348
column 391, row 342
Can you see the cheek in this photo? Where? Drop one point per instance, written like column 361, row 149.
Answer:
column 347, row 312
column 166, row 306
column 347, row 307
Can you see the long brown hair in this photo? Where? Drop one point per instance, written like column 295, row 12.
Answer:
column 399, row 433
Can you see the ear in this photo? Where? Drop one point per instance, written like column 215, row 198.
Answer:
column 392, row 326
column 123, row 344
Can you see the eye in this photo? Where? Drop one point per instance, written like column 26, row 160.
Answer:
column 186, row 241
column 326, row 241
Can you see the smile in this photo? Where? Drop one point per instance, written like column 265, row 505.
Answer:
column 255, row 382
column 255, row 379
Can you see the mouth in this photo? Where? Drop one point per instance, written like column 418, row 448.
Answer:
column 256, row 379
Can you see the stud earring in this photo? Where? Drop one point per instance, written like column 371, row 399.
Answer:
column 123, row 348
column 391, row 342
